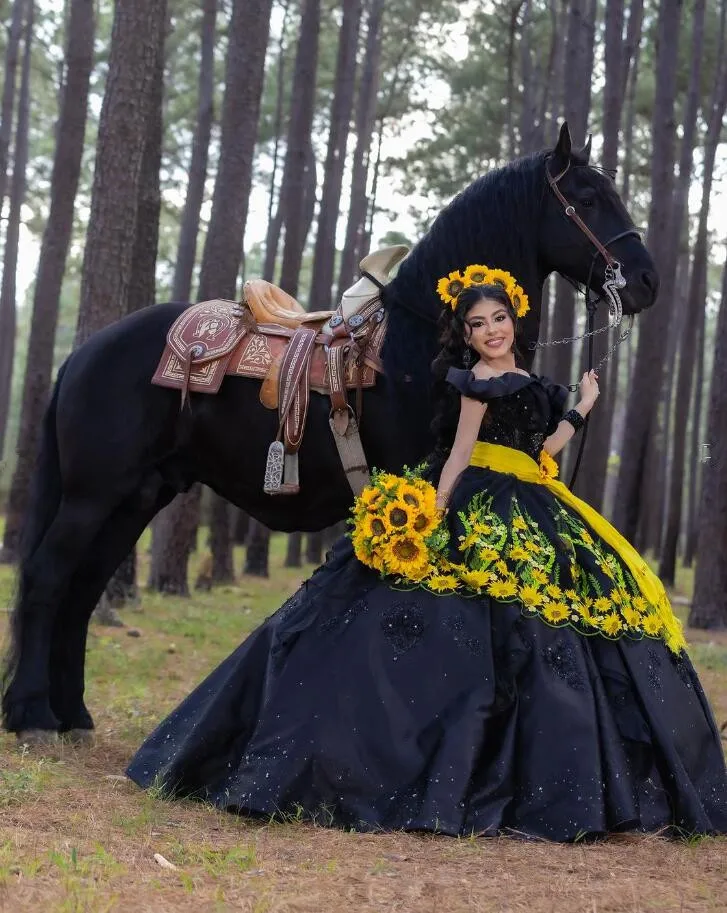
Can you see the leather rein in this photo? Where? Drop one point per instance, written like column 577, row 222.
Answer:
column 613, row 281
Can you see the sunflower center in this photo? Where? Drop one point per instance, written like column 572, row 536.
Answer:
column 398, row 517
column 406, row 550
column 377, row 527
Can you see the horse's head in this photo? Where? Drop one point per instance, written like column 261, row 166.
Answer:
column 581, row 199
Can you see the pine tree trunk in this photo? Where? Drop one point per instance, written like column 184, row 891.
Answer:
column 244, row 70
column 12, row 234
column 187, row 249
column 174, row 536
column 641, row 419
column 223, row 570
column 12, row 50
column 314, row 548
column 110, row 240
column 241, row 527
column 697, row 459
column 257, row 555
column 296, row 171
column 275, row 222
column 695, row 299
column 709, row 608
column 142, row 284
column 294, row 550
column 51, row 265
column 325, row 247
column 364, row 125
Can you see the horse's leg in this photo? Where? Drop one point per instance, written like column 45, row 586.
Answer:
column 113, row 542
column 44, row 581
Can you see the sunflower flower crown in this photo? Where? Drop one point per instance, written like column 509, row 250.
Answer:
column 449, row 287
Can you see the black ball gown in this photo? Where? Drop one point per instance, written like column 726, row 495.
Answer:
column 367, row 704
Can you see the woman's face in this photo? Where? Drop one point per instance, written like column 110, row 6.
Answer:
column 489, row 329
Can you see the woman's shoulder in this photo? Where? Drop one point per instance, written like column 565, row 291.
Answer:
column 484, row 386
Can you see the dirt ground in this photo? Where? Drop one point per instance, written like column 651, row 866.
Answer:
column 76, row 836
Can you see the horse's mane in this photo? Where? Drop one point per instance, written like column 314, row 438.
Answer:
column 493, row 221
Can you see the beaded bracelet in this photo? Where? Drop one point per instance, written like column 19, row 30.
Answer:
column 574, row 418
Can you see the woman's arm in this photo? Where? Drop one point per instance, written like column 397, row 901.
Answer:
column 471, row 414
column 565, row 431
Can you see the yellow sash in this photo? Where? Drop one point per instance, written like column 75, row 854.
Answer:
column 519, row 464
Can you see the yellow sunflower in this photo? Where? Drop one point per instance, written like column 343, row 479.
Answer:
column 519, row 523
column 411, row 495
column 539, row 576
column 556, row 611
column 406, row 555
column 476, row 275
column 397, row 515
column 450, row 286
column 502, row 567
column 620, row 597
column 520, row 301
column 475, row 580
column 529, row 596
column 631, row 616
column 488, row 554
column 503, row 278
column 602, row 604
column 502, row 589
column 479, row 526
column 531, row 546
column 373, row 527
column 638, row 602
column 553, row 590
column 517, row 553
column 441, row 583
column 370, row 495
column 424, row 523
column 611, row 624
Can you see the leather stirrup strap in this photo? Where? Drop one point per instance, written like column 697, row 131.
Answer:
column 294, row 386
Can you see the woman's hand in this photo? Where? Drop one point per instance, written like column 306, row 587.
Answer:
column 589, row 388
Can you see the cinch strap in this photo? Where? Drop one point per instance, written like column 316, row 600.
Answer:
column 515, row 462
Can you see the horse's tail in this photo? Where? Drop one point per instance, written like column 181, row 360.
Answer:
column 45, row 497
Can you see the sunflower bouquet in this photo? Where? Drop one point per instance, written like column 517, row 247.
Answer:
column 397, row 528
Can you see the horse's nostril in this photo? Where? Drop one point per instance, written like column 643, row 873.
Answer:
column 650, row 280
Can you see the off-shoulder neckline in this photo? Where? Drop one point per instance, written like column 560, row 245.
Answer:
column 504, row 374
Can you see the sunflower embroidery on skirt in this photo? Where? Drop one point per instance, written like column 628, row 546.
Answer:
column 516, row 561
column 398, row 531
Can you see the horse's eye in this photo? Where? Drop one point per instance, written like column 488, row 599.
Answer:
column 587, row 201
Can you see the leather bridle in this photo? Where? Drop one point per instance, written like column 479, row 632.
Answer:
column 613, row 281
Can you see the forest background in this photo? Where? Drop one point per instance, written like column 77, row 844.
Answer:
column 155, row 150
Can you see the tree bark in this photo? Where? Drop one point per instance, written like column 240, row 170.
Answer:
column 51, row 265
column 175, row 531
column 187, row 249
column 314, row 547
column 122, row 586
column 697, row 459
column 257, row 555
column 709, row 608
column 695, row 300
column 12, row 233
column 223, row 570
column 12, row 50
column 275, row 222
column 294, row 550
column 296, row 171
column 640, row 423
column 321, row 291
column 110, row 240
column 244, row 71
column 364, row 124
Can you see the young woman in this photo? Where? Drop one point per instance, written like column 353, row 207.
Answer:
column 528, row 676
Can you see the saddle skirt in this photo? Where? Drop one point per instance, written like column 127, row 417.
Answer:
column 216, row 338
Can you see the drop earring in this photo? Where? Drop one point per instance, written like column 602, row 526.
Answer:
column 467, row 357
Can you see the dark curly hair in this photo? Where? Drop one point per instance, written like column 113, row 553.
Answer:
column 446, row 400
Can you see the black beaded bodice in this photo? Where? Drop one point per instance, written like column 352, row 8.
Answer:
column 522, row 410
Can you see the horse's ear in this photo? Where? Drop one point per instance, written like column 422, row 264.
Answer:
column 561, row 153
column 586, row 150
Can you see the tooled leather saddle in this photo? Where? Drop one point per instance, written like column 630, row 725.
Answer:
column 268, row 336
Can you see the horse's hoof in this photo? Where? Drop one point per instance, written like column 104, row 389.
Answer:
column 79, row 737
column 38, row 738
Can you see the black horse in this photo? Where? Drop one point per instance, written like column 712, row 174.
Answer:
column 116, row 449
